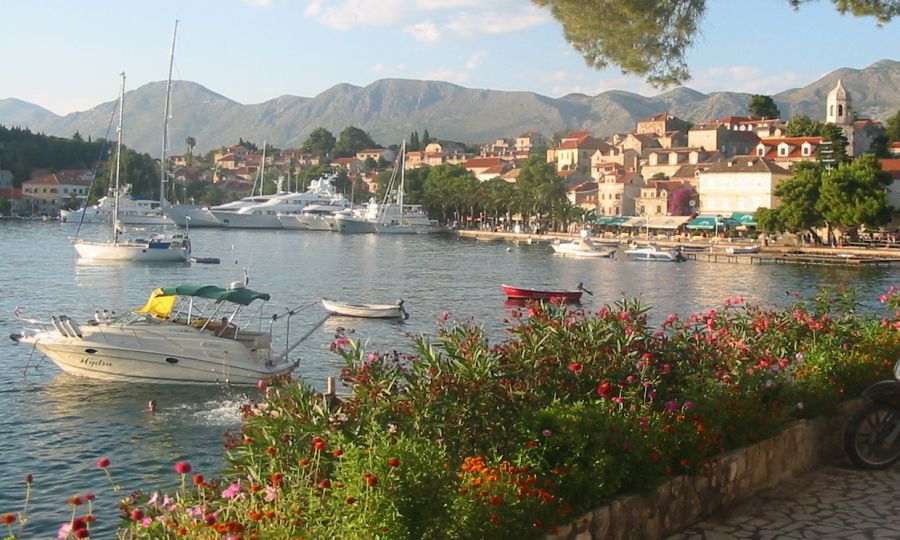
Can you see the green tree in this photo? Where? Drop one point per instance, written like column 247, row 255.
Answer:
column 855, row 194
column 798, row 210
column 190, row 142
column 651, row 38
column 320, row 143
column 833, row 149
column 892, row 127
column 426, row 138
column 352, row 140
column 763, row 106
column 803, row 126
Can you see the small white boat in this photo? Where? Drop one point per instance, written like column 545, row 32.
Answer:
column 653, row 253
column 369, row 311
column 582, row 247
column 740, row 250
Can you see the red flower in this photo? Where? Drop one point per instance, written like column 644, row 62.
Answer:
column 8, row 519
column 82, row 533
column 318, row 443
column 76, row 501
column 137, row 514
column 89, row 496
column 183, row 467
column 604, row 389
column 394, row 462
column 197, row 479
column 102, row 463
column 371, row 480
column 29, row 479
column 325, row 484
column 338, row 453
column 496, row 500
column 350, row 500
column 574, row 366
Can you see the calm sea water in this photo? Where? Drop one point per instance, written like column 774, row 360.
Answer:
column 55, row 426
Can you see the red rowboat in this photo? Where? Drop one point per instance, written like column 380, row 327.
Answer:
column 525, row 293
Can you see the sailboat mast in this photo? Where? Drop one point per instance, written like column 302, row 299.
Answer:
column 165, row 141
column 115, row 221
column 402, row 176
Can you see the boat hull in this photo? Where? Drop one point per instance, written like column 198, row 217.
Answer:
column 200, row 216
column 124, row 252
column 524, row 293
column 369, row 311
column 567, row 250
column 168, row 355
column 353, row 225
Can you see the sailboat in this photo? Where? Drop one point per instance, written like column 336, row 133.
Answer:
column 183, row 215
column 399, row 218
column 156, row 248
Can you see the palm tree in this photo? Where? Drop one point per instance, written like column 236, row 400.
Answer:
column 191, row 143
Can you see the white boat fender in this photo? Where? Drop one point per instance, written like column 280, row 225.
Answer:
column 70, row 325
column 59, row 327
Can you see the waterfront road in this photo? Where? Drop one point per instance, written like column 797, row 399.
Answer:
column 833, row 502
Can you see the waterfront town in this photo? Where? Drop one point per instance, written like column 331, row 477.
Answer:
column 666, row 175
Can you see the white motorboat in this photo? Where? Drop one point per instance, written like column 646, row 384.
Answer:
column 741, row 250
column 582, row 247
column 354, row 221
column 395, row 217
column 158, row 248
column 370, row 311
column 315, row 217
column 132, row 210
column 189, row 334
column 193, row 215
column 653, row 253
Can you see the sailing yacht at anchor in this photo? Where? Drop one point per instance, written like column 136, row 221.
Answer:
column 158, row 248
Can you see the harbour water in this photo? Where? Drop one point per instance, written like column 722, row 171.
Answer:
column 55, row 426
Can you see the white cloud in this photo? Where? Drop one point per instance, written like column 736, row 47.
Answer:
column 475, row 60
column 349, row 14
column 742, row 79
column 378, row 68
column 434, row 5
column 447, row 74
column 426, row 32
column 499, row 22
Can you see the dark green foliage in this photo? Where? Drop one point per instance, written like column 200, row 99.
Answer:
column 21, row 150
column 833, row 149
column 763, row 106
column 319, row 143
column 892, row 127
column 351, row 141
column 803, row 126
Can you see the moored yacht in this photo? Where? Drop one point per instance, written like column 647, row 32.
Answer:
column 315, row 217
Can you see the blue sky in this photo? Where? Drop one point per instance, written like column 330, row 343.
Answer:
column 66, row 55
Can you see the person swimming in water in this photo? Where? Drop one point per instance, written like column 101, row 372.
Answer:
column 151, row 406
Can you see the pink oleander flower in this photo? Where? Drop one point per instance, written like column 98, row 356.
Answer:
column 271, row 493
column 232, row 491
column 546, row 433
column 64, row 531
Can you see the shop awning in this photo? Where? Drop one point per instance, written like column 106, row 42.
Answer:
column 747, row 219
column 708, row 223
column 657, row 222
column 612, row 221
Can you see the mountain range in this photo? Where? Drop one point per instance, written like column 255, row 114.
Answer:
column 390, row 109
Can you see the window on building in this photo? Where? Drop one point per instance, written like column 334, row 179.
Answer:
column 840, row 110
column 760, row 151
column 658, row 209
column 782, row 150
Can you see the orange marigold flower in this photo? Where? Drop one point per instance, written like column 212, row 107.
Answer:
column 270, row 514
column 197, row 479
column 271, row 451
column 254, row 515
column 325, row 484
column 496, row 500
column 255, row 488
column 76, row 501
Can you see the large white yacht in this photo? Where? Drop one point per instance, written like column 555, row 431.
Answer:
column 132, row 211
column 264, row 215
column 315, row 217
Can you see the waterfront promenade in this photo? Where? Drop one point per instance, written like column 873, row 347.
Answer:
column 836, row 501
column 714, row 250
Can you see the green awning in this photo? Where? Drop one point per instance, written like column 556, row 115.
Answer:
column 747, row 219
column 618, row 220
column 709, row 223
column 601, row 220
column 241, row 296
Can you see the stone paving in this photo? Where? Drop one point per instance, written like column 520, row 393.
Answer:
column 833, row 502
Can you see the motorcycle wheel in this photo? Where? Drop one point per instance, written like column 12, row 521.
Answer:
column 865, row 434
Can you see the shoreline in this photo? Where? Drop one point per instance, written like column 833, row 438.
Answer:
column 714, row 251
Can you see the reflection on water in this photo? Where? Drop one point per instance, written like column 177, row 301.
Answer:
column 56, row 426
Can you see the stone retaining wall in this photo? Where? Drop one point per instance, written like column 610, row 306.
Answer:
column 730, row 478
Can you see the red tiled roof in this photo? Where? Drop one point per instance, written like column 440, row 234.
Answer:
column 891, row 166
column 477, row 163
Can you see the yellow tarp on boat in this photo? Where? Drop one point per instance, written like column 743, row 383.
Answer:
column 159, row 305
